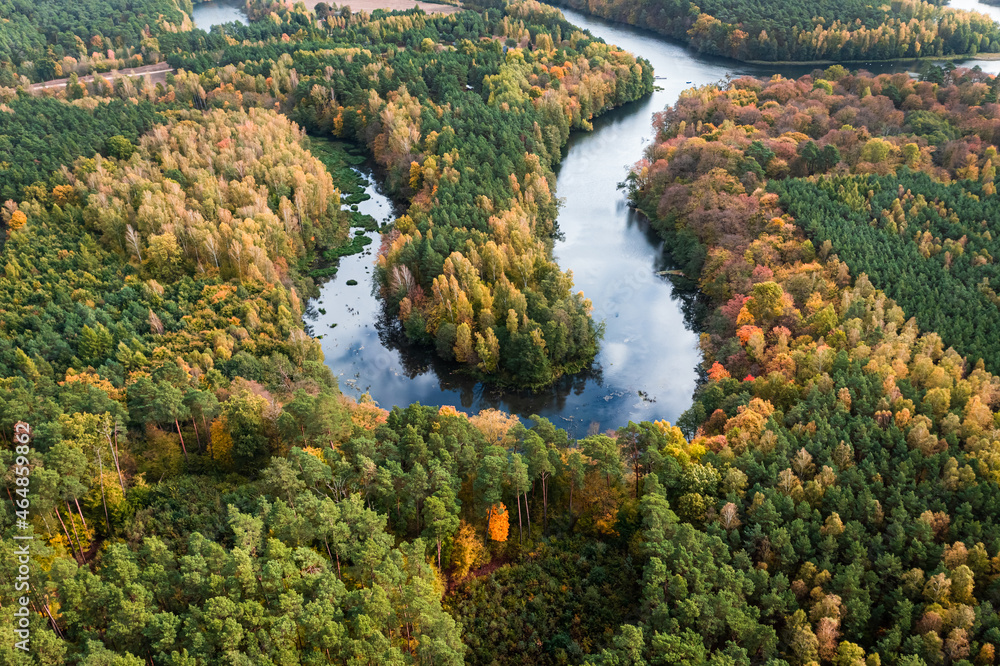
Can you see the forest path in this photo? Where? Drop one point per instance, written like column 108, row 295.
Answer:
column 158, row 72
column 394, row 5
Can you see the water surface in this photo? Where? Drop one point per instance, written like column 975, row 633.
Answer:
column 647, row 364
column 991, row 66
column 218, row 12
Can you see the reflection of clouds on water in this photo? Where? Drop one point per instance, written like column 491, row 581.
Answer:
column 614, row 353
column 218, row 12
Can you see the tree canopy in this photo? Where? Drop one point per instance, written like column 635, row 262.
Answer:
column 790, row 30
column 201, row 491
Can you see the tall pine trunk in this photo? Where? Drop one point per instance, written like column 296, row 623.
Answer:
column 104, row 501
column 183, row 448
column 69, row 539
column 79, row 542
column 114, row 454
column 80, row 512
column 527, row 513
column 519, row 534
column 208, row 436
column 545, row 507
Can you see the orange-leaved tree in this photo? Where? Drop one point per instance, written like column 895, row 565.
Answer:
column 499, row 522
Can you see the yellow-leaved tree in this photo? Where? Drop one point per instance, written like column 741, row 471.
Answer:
column 467, row 552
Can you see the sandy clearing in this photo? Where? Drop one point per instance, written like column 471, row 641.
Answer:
column 371, row 5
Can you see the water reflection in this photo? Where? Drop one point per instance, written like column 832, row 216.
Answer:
column 218, row 12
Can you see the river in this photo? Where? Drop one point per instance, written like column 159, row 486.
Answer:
column 647, row 365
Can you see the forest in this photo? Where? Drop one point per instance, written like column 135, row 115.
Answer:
column 775, row 195
column 50, row 40
column 158, row 244
column 38, row 135
column 941, row 271
column 468, row 115
column 790, row 30
column 895, row 175
column 201, row 491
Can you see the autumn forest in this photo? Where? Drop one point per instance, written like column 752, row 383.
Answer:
column 195, row 485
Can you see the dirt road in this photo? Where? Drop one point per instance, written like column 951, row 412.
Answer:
column 158, row 72
column 371, row 5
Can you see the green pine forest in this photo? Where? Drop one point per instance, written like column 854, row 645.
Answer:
column 791, row 30
column 48, row 40
column 201, row 492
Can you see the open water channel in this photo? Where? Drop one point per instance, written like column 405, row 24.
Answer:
column 647, row 365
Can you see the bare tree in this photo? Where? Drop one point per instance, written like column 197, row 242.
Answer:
column 132, row 236
column 236, row 252
column 213, row 248
column 155, row 325
column 728, row 516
